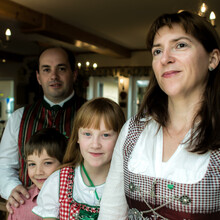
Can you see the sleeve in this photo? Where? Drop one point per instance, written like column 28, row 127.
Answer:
column 48, row 198
column 113, row 204
column 9, row 161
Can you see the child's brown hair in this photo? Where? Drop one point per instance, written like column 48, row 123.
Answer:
column 49, row 139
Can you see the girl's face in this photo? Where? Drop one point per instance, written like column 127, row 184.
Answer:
column 40, row 167
column 180, row 62
column 97, row 146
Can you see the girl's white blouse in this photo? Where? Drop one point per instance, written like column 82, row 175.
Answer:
column 146, row 159
column 48, row 198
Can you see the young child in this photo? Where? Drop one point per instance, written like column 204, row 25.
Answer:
column 43, row 153
column 75, row 191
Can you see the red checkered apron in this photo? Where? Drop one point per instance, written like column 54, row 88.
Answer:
column 69, row 208
column 157, row 198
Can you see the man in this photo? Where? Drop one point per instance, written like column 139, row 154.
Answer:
column 57, row 109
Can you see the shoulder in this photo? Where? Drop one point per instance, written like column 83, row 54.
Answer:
column 55, row 174
column 17, row 112
column 51, row 184
column 52, row 179
column 215, row 158
column 136, row 122
column 66, row 169
column 131, row 125
column 33, row 191
column 37, row 103
column 15, row 118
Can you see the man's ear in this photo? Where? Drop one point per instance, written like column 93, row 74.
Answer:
column 214, row 59
column 38, row 77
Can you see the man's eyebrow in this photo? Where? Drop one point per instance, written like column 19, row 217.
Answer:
column 48, row 66
column 62, row 64
column 43, row 66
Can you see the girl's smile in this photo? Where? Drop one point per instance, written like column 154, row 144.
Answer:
column 96, row 154
column 97, row 146
column 40, row 167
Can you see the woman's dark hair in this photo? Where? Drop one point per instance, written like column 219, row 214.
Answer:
column 155, row 103
column 49, row 139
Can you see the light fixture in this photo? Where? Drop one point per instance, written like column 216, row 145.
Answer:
column 122, row 84
column 4, row 42
column 212, row 18
column 87, row 66
column 8, row 34
column 203, row 11
column 79, row 65
column 95, row 65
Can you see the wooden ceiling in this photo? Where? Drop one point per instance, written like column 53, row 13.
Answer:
column 109, row 27
column 32, row 21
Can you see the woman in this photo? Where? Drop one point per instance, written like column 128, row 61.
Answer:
column 166, row 163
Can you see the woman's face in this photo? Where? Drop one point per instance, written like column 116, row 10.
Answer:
column 180, row 62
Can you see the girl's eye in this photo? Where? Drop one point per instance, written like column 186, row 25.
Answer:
column 87, row 134
column 31, row 164
column 181, row 45
column 106, row 135
column 156, row 52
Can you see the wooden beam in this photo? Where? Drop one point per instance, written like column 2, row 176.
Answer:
column 13, row 11
column 46, row 25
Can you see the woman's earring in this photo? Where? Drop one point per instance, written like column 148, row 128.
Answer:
column 211, row 69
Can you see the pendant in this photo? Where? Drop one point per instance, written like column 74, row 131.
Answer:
column 170, row 186
column 185, row 200
column 133, row 188
column 134, row 214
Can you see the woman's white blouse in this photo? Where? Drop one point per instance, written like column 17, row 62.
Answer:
column 146, row 159
column 48, row 198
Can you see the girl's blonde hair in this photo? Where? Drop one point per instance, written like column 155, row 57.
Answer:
column 89, row 116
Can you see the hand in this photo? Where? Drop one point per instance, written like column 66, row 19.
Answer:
column 15, row 198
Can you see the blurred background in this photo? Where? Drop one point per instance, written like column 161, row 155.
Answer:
column 106, row 36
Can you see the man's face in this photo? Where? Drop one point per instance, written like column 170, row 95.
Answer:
column 55, row 74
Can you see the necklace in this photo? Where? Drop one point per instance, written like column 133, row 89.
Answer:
column 90, row 181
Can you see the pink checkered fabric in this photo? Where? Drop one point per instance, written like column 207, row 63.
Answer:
column 204, row 196
column 69, row 208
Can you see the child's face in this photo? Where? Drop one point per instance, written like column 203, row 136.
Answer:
column 40, row 167
column 97, row 146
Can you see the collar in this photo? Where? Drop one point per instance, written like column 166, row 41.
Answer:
column 61, row 103
column 34, row 191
